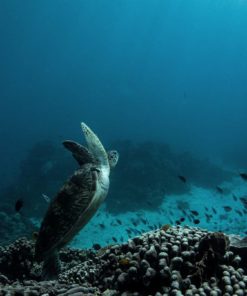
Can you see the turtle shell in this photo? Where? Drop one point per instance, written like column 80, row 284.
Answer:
column 72, row 208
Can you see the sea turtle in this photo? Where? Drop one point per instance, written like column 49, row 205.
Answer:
column 76, row 202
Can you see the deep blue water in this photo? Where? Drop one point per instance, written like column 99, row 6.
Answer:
column 166, row 70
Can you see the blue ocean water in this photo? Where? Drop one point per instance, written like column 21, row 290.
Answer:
column 137, row 71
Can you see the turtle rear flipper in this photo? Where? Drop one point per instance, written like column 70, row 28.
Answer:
column 79, row 152
column 51, row 267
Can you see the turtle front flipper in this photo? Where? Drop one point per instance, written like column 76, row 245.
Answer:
column 95, row 146
column 79, row 152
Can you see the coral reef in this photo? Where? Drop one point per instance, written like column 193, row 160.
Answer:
column 21, row 275
column 168, row 261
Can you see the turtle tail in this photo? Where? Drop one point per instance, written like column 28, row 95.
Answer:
column 51, row 267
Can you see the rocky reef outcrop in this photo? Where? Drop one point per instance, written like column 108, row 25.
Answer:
column 168, row 261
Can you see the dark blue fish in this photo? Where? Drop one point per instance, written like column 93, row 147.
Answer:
column 195, row 213
column 208, row 217
column 239, row 212
column 182, row 178
column 128, row 231
column 244, row 201
column 227, row 208
column 219, row 189
column 134, row 223
column 102, row 226
column 243, row 176
column 18, row 205
column 213, row 209
column 184, row 212
column 223, row 217
column 189, row 218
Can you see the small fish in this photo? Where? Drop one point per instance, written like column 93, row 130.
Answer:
column 244, row 201
column 148, row 203
column 96, row 247
column 178, row 222
column 189, row 218
column 135, row 231
column 46, row 198
column 184, row 212
column 144, row 221
column 182, row 219
column 114, row 239
column 18, row 205
column 134, row 223
column 239, row 212
column 119, row 221
column 223, row 217
column 196, row 221
column 227, row 208
column 234, row 197
column 171, row 213
column 128, row 231
column 243, row 176
column 213, row 209
column 219, row 189
column 182, row 178
column 208, row 217
column 102, row 226
column 195, row 213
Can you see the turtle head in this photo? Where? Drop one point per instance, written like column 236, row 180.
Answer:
column 113, row 157
column 94, row 145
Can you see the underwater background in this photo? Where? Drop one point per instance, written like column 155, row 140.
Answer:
column 164, row 82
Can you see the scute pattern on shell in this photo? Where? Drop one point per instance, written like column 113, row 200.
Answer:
column 67, row 207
